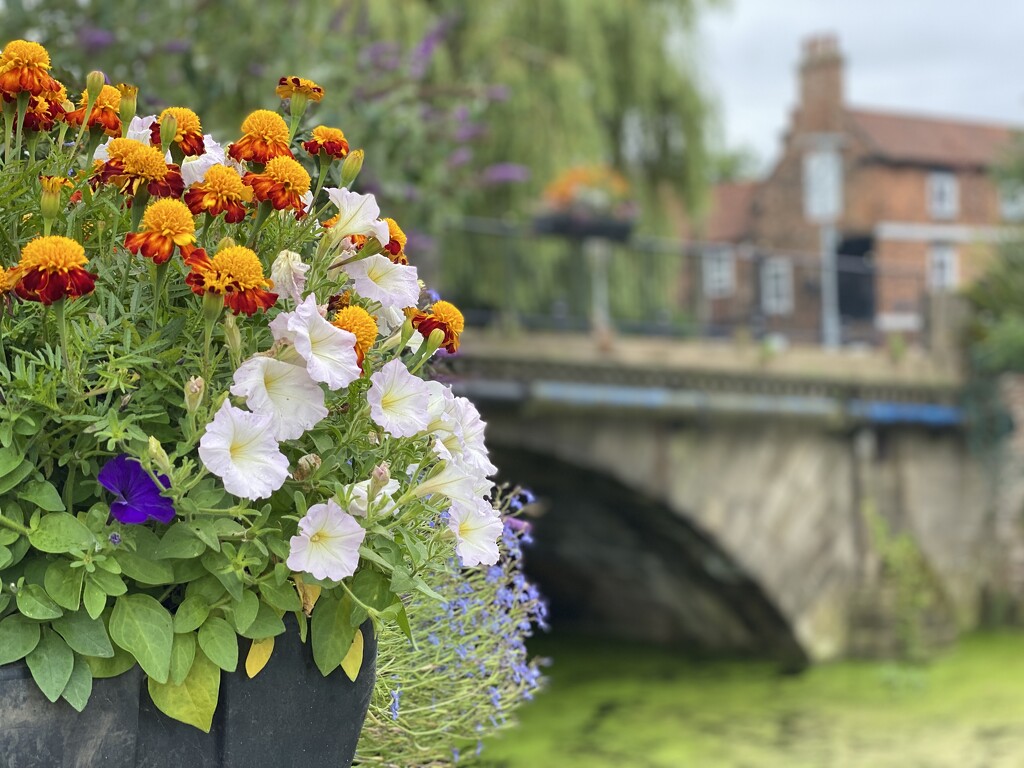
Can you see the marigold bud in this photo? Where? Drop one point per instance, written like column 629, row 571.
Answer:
column 94, row 83
column 232, row 336
column 128, row 105
column 351, row 167
column 195, row 388
column 168, row 130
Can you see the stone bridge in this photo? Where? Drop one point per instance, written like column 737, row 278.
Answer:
column 734, row 499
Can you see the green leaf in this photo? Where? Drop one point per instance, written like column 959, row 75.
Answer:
column 218, row 565
column 142, row 626
column 331, row 632
column 187, row 570
column 9, row 460
column 195, row 700
column 43, row 495
column 11, row 512
column 183, row 653
column 6, row 557
column 266, row 624
column 208, row 587
column 34, row 603
column 220, row 643
column 85, row 635
column 61, row 532
column 191, row 613
column 116, row 665
column 18, row 636
column 403, row 623
column 244, row 611
column 79, row 686
column 283, row 597
column 155, row 572
column 51, row 663
column 180, row 543
column 94, row 599
column 64, row 584
column 110, row 583
column 370, row 587
column 11, row 479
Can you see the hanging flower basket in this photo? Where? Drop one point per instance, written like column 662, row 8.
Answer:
column 587, row 202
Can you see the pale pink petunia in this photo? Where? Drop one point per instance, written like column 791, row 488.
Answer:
column 380, row 279
column 327, row 545
column 398, row 400
column 357, row 215
column 241, row 449
column 476, row 527
column 282, row 391
column 288, row 272
column 329, row 352
column 194, row 167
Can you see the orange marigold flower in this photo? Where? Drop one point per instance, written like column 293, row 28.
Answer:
column 330, row 141
column 46, row 109
column 165, row 223
column 189, row 136
column 395, row 249
column 8, row 279
column 132, row 165
column 105, row 112
column 283, row 182
column 24, row 68
column 289, row 86
column 264, row 136
column 444, row 316
column 222, row 191
column 235, row 273
column 52, row 268
column 359, row 323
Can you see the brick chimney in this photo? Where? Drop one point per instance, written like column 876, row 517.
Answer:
column 821, row 85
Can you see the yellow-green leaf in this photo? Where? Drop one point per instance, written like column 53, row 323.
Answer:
column 259, row 655
column 195, row 700
column 142, row 626
column 354, row 658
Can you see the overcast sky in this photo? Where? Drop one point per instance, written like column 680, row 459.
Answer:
column 961, row 58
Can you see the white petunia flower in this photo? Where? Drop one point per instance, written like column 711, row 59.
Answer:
column 329, row 351
column 328, row 543
column 380, row 279
column 476, row 527
column 240, row 448
column 398, row 400
column 456, row 483
column 289, row 275
column 194, row 168
column 441, row 422
column 282, row 391
column 357, row 215
column 383, row 502
column 471, row 429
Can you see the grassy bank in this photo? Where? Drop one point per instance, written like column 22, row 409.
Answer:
column 630, row 707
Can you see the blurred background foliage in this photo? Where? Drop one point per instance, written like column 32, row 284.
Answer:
column 463, row 107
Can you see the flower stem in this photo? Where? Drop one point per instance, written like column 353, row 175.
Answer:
column 7, row 523
column 325, row 167
column 19, row 125
column 261, row 216
column 159, row 282
column 139, row 206
column 62, row 330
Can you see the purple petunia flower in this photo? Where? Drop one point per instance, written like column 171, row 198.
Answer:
column 138, row 497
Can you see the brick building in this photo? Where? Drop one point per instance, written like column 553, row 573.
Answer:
column 909, row 201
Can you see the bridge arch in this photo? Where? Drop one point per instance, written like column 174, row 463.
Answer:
column 613, row 560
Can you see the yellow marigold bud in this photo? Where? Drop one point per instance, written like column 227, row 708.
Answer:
column 168, row 130
column 128, row 106
column 94, row 83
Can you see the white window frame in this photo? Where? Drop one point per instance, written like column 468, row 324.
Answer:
column 943, row 195
column 943, row 267
column 823, row 185
column 777, row 286
column 718, row 272
column 1011, row 201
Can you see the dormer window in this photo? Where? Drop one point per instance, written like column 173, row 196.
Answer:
column 943, row 195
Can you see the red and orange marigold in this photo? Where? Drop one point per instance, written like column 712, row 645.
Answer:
column 283, row 183
column 287, row 87
column 330, row 141
column 165, row 223
column 221, row 191
column 360, row 324
column 132, row 165
column 235, row 273
column 395, row 249
column 188, row 137
column 25, row 68
column 443, row 316
column 264, row 136
column 52, row 268
column 105, row 112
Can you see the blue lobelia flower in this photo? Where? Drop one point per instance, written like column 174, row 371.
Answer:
column 138, row 497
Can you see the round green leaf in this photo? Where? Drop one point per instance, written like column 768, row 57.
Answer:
column 34, row 603
column 61, row 532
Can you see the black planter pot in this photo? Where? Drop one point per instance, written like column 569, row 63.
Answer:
column 579, row 227
column 288, row 716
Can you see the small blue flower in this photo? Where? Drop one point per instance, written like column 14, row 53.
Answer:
column 395, row 696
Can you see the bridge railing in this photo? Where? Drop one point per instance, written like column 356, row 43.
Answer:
column 503, row 274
